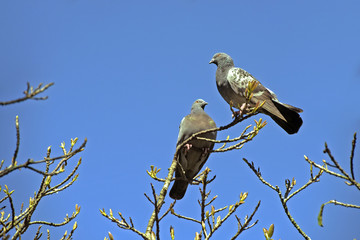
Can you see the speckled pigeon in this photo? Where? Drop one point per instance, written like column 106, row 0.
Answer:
column 232, row 83
column 195, row 153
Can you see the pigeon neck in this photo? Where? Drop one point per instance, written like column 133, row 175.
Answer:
column 226, row 64
column 197, row 109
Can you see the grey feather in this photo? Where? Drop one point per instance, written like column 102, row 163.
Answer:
column 192, row 160
column 232, row 83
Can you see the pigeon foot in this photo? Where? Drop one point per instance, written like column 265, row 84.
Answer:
column 205, row 151
column 187, row 147
column 243, row 109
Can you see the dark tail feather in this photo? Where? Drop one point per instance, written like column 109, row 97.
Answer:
column 293, row 120
column 178, row 189
column 298, row 110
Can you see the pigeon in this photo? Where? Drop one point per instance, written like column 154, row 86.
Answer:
column 194, row 154
column 232, row 83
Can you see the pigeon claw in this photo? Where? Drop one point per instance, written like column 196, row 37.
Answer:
column 205, row 152
column 235, row 114
column 243, row 109
column 187, row 147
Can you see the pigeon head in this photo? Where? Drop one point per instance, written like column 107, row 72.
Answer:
column 222, row 60
column 199, row 104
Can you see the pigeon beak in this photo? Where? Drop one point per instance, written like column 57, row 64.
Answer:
column 212, row 61
column 203, row 105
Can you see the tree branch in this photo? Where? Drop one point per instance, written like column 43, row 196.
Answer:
column 284, row 199
column 30, row 93
column 245, row 226
column 353, row 143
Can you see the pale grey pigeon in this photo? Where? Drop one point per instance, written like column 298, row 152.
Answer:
column 232, row 83
column 195, row 153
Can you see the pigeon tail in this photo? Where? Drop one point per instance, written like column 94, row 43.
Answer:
column 178, row 189
column 292, row 122
column 298, row 110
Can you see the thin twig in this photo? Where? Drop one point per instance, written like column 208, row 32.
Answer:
column 162, row 195
column 283, row 200
column 352, row 156
column 204, row 195
column 13, row 162
column 31, row 162
column 337, row 165
column 156, row 212
column 246, row 223
column 220, row 221
column 184, row 217
column 320, row 216
column 123, row 223
column 257, row 173
column 167, row 211
column 22, row 221
column 12, row 208
column 292, row 220
column 311, row 180
column 30, row 93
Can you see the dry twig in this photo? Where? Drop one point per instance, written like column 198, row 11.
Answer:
column 30, row 93
column 350, row 178
column 286, row 197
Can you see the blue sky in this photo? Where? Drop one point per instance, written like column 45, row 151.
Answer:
column 126, row 73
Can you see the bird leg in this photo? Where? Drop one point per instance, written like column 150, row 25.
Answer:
column 205, row 151
column 187, row 147
column 234, row 113
column 242, row 110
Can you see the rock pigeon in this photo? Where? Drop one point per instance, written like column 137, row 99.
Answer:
column 232, row 83
column 195, row 153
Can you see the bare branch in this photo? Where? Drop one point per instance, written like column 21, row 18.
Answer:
column 38, row 234
column 156, row 212
column 292, row 220
column 258, row 174
column 232, row 210
column 325, row 169
column 282, row 198
column 32, row 162
column 13, row 162
column 167, row 211
column 184, row 217
column 6, row 190
column 343, row 174
column 352, row 156
column 162, row 193
column 311, row 181
column 22, row 221
column 337, row 165
column 30, row 93
column 245, row 226
column 123, row 223
column 320, row 216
